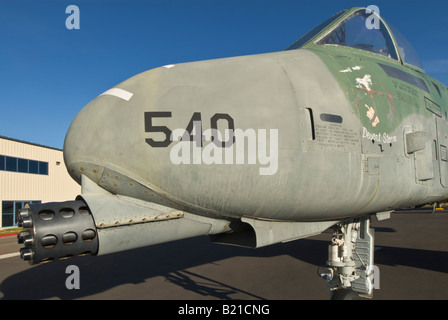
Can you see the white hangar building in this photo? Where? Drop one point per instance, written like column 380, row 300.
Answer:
column 31, row 173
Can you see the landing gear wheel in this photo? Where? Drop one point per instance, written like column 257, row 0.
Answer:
column 345, row 294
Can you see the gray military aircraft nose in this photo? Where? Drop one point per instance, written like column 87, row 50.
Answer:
column 136, row 131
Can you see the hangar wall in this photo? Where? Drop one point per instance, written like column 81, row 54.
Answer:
column 31, row 172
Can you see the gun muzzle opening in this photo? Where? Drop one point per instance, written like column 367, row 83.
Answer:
column 57, row 230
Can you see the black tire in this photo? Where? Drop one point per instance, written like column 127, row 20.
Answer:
column 345, row 294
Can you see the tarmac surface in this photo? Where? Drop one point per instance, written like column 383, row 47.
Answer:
column 411, row 253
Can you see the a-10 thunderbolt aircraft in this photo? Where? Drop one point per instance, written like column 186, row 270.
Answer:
column 341, row 126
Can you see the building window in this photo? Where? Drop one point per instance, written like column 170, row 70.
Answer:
column 33, row 166
column 8, row 214
column 22, row 165
column 10, row 210
column 43, row 168
column 13, row 164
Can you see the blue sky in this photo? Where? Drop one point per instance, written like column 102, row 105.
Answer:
column 49, row 73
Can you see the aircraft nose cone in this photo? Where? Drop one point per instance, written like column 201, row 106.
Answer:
column 100, row 131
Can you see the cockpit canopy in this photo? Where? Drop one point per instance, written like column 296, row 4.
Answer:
column 364, row 30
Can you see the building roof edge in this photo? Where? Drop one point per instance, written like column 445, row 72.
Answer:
column 30, row 143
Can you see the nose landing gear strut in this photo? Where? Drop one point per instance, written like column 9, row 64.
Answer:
column 350, row 271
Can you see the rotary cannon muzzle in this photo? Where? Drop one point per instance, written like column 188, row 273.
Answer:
column 56, row 230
